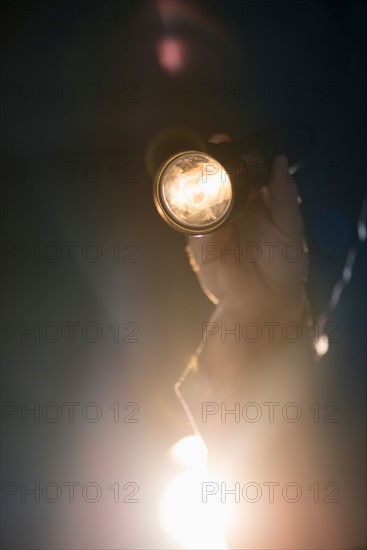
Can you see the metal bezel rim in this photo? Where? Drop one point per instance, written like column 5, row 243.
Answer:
column 187, row 230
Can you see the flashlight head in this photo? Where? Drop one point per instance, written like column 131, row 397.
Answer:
column 193, row 193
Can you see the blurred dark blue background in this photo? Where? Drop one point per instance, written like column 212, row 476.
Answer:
column 108, row 78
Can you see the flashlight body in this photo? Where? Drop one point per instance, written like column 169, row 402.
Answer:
column 247, row 162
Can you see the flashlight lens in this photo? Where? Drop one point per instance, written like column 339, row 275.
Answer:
column 195, row 190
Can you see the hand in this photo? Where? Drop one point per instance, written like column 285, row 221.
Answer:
column 227, row 371
column 267, row 272
column 268, row 289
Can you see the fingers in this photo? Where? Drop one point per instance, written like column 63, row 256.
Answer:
column 283, row 195
column 205, row 258
column 286, row 272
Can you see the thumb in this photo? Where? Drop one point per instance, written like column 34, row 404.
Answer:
column 283, row 198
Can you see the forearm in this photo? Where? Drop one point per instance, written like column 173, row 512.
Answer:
column 266, row 411
column 256, row 405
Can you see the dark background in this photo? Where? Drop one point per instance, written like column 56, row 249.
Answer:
column 123, row 101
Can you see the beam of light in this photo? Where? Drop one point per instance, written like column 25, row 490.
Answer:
column 184, row 515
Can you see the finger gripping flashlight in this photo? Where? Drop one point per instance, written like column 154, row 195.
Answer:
column 196, row 192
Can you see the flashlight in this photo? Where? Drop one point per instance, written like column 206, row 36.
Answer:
column 197, row 191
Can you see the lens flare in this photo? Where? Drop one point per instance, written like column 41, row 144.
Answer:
column 322, row 345
column 193, row 521
column 190, row 451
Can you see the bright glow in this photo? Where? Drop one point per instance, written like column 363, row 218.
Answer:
column 184, row 514
column 191, row 522
column 322, row 345
column 190, row 451
column 196, row 190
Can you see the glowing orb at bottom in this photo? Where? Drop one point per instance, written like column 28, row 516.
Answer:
column 194, row 521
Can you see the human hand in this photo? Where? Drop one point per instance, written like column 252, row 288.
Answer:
column 266, row 270
column 229, row 370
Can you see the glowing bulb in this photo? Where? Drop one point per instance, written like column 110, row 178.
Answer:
column 193, row 192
